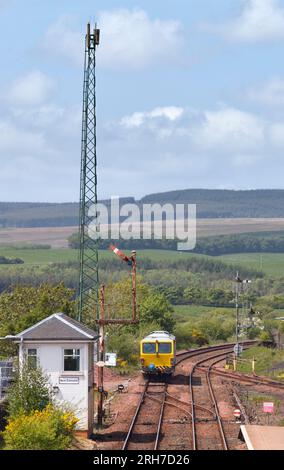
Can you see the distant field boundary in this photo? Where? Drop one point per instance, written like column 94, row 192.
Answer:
column 57, row 237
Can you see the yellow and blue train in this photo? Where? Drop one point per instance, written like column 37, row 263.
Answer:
column 158, row 353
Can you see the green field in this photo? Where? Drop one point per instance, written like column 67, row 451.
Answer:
column 185, row 313
column 270, row 263
column 62, row 255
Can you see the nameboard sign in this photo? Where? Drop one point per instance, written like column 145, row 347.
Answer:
column 68, row 380
column 268, row 407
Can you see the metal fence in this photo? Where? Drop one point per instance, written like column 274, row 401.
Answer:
column 6, row 375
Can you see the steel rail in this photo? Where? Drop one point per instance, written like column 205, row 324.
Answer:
column 134, row 419
column 196, row 352
column 213, row 399
column 156, row 446
column 144, row 394
column 182, row 356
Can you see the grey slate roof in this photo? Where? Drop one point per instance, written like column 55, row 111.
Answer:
column 58, row 327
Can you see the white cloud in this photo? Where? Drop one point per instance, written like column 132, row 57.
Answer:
column 61, row 39
column 39, row 142
column 269, row 94
column 171, row 113
column 129, row 38
column 31, row 89
column 229, row 128
column 260, row 20
column 212, row 148
column 15, row 141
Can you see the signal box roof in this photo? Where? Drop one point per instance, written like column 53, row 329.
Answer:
column 57, row 327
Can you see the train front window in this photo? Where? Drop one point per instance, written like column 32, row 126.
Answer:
column 149, row 348
column 165, row 348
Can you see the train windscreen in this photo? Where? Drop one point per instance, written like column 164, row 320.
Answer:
column 165, row 348
column 149, row 348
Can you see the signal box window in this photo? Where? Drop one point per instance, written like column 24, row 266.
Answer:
column 149, row 348
column 165, row 348
column 71, row 360
column 32, row 358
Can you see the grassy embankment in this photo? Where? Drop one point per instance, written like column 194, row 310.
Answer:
column 271, row 264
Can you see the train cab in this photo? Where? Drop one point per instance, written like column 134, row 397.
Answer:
column 157, row 353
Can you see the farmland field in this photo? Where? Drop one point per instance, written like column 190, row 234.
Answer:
column 57, row 236
column 39, row 256
column 270, row 263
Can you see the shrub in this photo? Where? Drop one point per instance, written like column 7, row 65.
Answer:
column 125, row 345
column 30, row 392
column 187, row 336
column 48, row 429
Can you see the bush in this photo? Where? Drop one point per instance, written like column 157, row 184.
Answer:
column 187, row 336
column 125, row 345
column 30, row 392
column 49, row 429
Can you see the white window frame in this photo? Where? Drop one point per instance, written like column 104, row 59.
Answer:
column 70, row 372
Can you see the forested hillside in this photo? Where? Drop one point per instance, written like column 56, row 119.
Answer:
column 210, row 204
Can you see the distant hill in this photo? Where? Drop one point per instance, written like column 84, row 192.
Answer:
column 210, row 204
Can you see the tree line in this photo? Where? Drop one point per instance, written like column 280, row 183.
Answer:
column 211, row 246
column 210, row 204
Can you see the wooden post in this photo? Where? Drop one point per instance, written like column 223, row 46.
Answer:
column 134, row 287
column 100, row 364
column 235, row 363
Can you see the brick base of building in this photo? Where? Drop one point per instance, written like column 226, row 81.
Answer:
column 82, row 433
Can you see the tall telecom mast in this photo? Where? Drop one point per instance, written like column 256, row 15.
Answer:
column 89, row 278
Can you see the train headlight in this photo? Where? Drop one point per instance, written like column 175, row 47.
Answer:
column 152, row 366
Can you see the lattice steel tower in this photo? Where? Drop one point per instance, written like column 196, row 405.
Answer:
column 89, row 278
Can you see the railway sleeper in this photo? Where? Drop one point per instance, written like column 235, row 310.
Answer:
column 205, row 420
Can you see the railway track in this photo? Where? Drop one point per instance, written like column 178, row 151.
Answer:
column 207, row 427
column 145, row 430
column 254, row 379
column 164, row 421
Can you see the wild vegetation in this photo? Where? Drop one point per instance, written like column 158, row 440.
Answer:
column 35, row 421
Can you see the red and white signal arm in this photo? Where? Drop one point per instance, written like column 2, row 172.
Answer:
column 268, row 407
column 237, row 413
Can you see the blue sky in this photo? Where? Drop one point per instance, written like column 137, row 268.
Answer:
column 190, row 94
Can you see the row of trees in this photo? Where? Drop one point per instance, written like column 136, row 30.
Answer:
column 212, row 246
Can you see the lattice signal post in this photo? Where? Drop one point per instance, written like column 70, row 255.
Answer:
column 104, row 321
column 89, row 277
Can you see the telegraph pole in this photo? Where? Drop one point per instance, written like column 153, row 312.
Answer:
column 238, row 282
column 239, row 325
column 89, row 277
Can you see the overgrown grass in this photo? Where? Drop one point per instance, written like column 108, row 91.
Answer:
column 184, row 313
column 266, row 359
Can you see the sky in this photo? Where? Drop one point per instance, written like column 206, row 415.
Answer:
column 190, row 94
